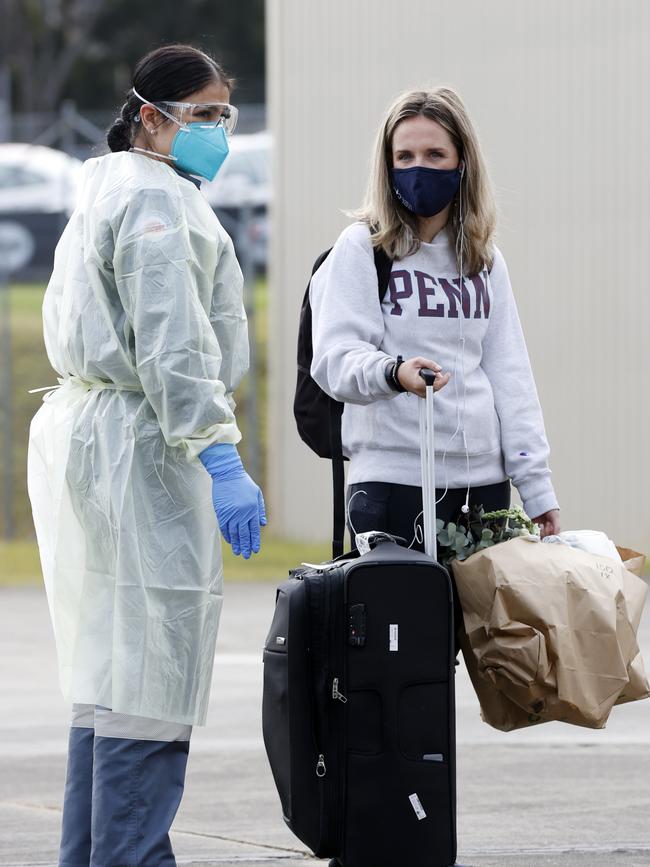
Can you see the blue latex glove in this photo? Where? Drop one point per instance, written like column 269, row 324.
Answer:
column 237, row 500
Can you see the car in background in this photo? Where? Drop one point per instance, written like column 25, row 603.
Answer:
column 38, row 191
column 37, row 178
column 240, row 195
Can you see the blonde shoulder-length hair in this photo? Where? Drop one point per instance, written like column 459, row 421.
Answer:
column 394, row 227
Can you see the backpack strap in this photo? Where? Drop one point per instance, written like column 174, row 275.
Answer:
column 319, row 262
column 383, row 265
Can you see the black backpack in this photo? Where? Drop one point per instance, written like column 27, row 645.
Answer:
column 318, row 416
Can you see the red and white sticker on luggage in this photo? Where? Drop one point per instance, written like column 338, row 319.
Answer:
column 393, row 637
column 417, row 806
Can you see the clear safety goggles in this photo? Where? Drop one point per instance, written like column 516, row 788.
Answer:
column 208, row 114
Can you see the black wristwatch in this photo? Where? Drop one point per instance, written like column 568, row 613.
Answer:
column 391, row 375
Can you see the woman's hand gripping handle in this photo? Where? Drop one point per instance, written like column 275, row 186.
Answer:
column 410, row 375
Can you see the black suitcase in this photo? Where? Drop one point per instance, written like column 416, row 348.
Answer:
column 358, row 704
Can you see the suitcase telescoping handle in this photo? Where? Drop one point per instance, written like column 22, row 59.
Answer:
column 427, row 457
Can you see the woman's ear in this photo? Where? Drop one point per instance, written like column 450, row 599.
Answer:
column 461, row 167
column 151, row 118
column 148, row 117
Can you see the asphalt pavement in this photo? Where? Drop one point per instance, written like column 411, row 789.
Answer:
column 551, row 795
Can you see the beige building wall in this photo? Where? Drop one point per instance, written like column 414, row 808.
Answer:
column 560, row 93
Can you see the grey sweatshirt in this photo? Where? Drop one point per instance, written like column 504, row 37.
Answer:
column 487, row 416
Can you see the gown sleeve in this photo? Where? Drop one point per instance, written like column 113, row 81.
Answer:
column 178, row 357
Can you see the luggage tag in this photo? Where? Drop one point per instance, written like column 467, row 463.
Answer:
column 362, row 541
column 321, row 567
column 365, row 542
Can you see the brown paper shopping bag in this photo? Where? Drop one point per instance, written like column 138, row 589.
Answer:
column 632, row 560
column 550, row 633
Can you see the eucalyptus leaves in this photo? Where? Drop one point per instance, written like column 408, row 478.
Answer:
column 479, row 530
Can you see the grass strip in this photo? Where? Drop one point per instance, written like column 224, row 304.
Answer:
column 20, row 565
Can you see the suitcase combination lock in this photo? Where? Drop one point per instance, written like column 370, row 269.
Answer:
column 357, row 625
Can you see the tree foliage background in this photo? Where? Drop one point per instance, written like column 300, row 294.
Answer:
column 85, row 49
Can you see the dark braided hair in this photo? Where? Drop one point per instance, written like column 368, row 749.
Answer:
column 170, row 73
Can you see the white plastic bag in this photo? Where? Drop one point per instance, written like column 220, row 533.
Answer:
column 592, row 541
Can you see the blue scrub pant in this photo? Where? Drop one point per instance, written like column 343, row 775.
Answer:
column 124, row 783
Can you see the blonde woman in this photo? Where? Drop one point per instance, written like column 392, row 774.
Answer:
column 449, row 307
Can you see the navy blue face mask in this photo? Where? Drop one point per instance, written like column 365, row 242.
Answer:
column 426, row 191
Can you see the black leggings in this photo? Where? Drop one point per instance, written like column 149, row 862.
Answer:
column 394, row 508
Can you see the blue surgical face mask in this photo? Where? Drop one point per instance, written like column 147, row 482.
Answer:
column 200, row 149
column 426, row 191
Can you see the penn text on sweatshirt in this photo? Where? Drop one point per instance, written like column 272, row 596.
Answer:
column 490, row 405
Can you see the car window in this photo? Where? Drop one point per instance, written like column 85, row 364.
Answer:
column 17, row 176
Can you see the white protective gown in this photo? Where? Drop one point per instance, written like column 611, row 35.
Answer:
column 145, row 325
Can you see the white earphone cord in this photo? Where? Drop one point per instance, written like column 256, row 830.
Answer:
column 348, row 519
